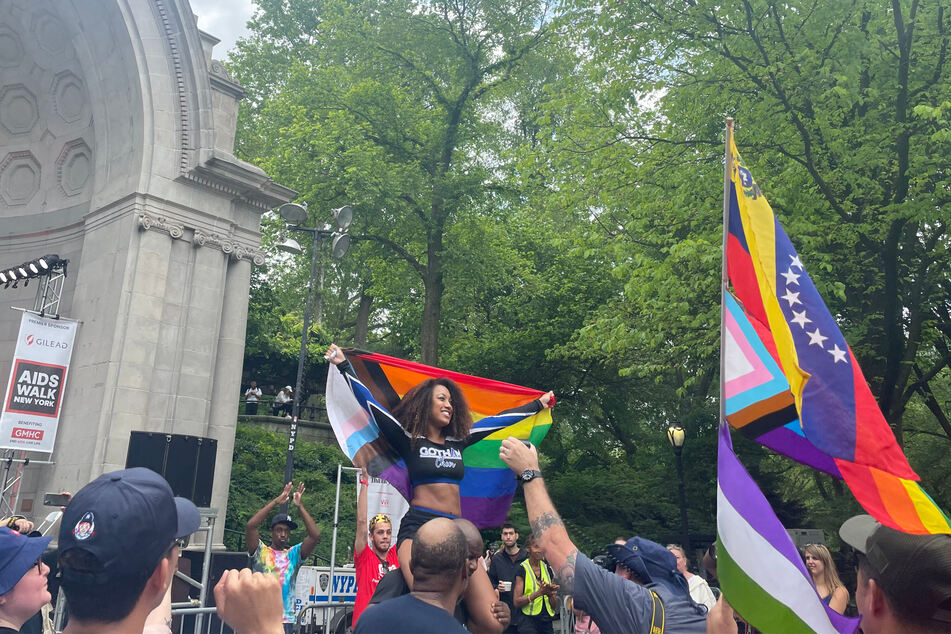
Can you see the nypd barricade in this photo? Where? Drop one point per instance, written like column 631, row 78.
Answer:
column 313, row 586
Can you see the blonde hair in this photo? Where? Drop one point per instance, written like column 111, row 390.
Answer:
column 829, row 572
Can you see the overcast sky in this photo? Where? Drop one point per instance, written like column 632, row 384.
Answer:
column 225, row 19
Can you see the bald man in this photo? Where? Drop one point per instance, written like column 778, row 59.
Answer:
column 440, row 576
column 500, row 610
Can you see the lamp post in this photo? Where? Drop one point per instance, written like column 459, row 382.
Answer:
column 676, row 436
column 294, row 214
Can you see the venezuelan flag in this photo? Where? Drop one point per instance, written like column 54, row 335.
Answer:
column 836, row 408
column 487, row 489
column 757, row 386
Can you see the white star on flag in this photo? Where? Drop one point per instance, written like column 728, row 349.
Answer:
column 795, row 262
column 816, row 338
column 792, row 298
column 801, row 319
column 791, row 278
column 837, row 354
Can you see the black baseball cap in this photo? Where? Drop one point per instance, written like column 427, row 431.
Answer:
column 915, row 569
column 126, row 519
column 284, row 518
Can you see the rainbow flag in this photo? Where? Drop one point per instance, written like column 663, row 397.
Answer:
column 487, row 489
column 759, row 568
column 757, row 391
column 837, row 411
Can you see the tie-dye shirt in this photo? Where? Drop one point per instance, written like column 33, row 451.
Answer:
column 283, row 564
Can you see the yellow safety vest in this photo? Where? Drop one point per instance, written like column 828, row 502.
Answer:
column 531, row 585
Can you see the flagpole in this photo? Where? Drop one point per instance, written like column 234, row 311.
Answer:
column 724, row 278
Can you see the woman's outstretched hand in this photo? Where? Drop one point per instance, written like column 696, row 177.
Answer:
column 547, row 399
column 334, row 354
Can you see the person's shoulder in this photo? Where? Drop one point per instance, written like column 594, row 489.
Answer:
column 363, row 554
column 414, row 615
column 680, row 610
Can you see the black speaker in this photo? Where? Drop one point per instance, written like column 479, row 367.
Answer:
column 192, row 561
column 191, row 564
column 186, row 462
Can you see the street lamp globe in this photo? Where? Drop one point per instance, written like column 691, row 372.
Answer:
column 676, row 436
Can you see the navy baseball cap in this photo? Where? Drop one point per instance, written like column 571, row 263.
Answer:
column 18, row 553
column 127, row 520
column 651, row 562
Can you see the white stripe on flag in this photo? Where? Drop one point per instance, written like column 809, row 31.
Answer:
column 342, row 408
column 768, row 568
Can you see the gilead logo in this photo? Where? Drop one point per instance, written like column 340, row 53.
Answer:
column 27, row 434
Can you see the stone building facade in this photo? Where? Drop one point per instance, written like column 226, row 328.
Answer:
column 116, row 136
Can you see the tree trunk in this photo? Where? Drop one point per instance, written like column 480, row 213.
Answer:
column 363, row 320
column 432, row 304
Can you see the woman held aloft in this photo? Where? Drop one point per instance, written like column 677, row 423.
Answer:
column 429, row 429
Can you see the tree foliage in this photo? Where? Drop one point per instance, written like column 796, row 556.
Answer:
column 539, row 200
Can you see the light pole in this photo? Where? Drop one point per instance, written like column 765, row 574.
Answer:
column 676, row 436
column 294, row 214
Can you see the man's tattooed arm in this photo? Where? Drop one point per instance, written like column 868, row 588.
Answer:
column 545, row 521
column 566, row 575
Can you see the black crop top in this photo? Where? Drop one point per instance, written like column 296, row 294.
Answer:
column 426, row 461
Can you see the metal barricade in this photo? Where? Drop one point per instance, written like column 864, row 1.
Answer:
column 329, row 617
column 207, row 625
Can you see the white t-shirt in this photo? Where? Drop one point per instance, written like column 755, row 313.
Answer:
column 700, row 591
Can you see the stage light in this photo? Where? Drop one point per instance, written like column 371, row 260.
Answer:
column 290, row 245
column 343, row 216
column 340, row 245
column 48, row 265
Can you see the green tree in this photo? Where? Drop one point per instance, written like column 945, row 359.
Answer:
column 381, row 102
column 823, row 96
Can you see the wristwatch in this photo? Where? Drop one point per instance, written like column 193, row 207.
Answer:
column 528, row 475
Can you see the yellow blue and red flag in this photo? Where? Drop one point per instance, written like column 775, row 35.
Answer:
column 837, row 411
column 779, row 334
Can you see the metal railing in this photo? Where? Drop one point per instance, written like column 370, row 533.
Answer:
column 328, row 617
column 266, row 405
column 200, row 624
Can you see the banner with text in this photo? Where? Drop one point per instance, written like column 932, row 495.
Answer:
column 37, row 382
column 382, row 497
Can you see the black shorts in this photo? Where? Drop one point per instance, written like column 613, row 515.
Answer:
column 415, row 517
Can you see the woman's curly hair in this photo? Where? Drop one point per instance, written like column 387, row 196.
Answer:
column 414, row 409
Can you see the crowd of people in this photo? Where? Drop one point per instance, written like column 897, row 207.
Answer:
column 119, row 544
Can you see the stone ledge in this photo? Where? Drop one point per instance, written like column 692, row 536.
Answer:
column 311, row 431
